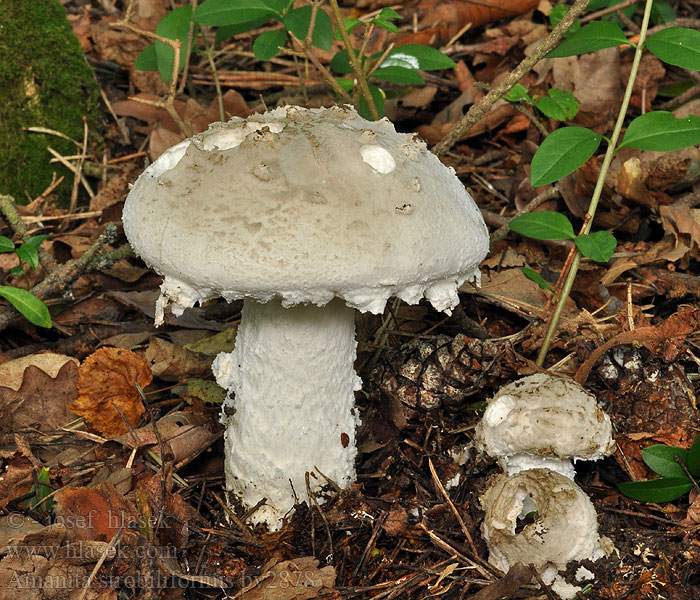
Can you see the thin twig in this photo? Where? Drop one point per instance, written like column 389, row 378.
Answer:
column 541, row 198
column 355, row 61
column 64, row 275
column 79, row 169
column 234, row 518
column 455, row 512
column 217, row 84
column 16, row 222
column 188, row 52
column 105, row 554
column 161, row 447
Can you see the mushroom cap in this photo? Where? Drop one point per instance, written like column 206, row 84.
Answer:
column 305, row 205
column 565, row 526
column 544, row 416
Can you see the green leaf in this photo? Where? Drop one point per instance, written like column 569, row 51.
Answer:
column 17, row 271
column 147, row 59
column 340, row 63
column 28, row 251
column 543, row 225
column 268, row 43
column 423, row 57
column 349, row 25
column 693, row 461
column 388, row 25
column 675, row 89
column 44, row 480
column 279, row 6
column 347, row 84
column 558, row 105
column 557, row 14
column 562, row 152
column 35, row 240
column 228, row 31
column 232, row 12
column 538, row 279
column 399, row 75
column 388, row 14
column 298, row 21
column 29, row 255
column 598, row 245
column 663, row 489
column 662, row 459
column 378, row 96
column 677, row 46
column 175, row 26
column 662, row 12
column 595, row 36
column 33, row 309
column 6, row 244
column 661, row 131
column 518, row 93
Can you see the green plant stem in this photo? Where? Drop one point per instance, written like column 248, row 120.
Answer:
column 212, row 65
column 9, row 211
column 610, row 152
column 354, row 61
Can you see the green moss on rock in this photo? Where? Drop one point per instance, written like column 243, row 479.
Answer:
column 44, row 82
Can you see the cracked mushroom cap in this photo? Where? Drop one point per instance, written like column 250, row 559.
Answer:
column 305, row 205
column 563, row 524
column 543, row 421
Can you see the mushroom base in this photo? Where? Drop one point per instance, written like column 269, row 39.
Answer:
column 289, row 410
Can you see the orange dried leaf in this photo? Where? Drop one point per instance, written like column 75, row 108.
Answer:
column 106, row 379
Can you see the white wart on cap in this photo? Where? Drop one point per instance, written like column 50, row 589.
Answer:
column 543, row 421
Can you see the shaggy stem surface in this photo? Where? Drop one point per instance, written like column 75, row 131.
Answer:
column 290, row 411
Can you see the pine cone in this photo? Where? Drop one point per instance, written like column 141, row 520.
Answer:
column 427, row 373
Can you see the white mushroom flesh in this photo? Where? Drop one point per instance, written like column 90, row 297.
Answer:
column 564, row 527
column 544, row 421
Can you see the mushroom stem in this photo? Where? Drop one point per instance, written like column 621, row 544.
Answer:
column 291, row 386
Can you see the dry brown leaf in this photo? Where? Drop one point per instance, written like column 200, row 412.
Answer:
column 594, row 79
column 298, row 579
column 37, row 390
column 96, row 513
column 107, row 378
column 16, row 478
column 682, row 221
column 184, row 435
column 510, row 289
column 169, row 360
column 397, row 520
column 198, row 117
column 502, row 111
column 449, row 17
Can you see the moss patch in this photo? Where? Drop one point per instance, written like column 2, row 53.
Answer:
column 45, row 83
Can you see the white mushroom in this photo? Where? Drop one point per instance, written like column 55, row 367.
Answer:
column 539, row 517
column 304, row 214
column 543, row 421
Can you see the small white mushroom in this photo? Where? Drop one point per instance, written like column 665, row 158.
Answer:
column 539, row 517
column 543, row 421
column 295, row 212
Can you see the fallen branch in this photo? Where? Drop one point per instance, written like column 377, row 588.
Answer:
column 64, row 275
